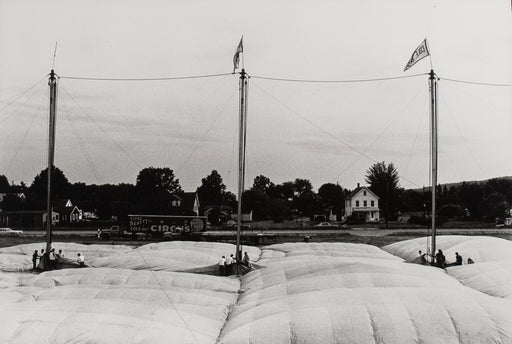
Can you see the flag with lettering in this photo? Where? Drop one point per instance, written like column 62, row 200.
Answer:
column 420, row 52
column 236, row 58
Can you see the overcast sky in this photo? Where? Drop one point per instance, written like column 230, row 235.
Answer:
column 326, row 132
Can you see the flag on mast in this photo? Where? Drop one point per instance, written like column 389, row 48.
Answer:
column 420, row 52
column 236, row 58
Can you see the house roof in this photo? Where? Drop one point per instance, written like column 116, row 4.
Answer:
column 359, row 189
column 60, row 205
column 187, row 199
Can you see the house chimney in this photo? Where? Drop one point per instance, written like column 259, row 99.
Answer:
column 357, row 184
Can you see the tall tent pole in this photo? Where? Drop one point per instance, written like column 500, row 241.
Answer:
column 241, row 158
column 433, row 113
column 52, row 82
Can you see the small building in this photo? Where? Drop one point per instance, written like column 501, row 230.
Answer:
column 363, row 201
column 27, row 218
column 185, row 203
column 217, row 214
column 20, row 195
column 69, row 213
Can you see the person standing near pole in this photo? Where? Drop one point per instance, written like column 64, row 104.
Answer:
column 34, row 259
column 229, row 265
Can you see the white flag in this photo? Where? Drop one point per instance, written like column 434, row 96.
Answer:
column 236, row 58
column 420, row 52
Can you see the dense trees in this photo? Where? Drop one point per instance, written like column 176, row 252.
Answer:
column 60, row 184
column 212, row 194
column 212, row 189
column 4, row 184
column 384, row 182
column 152, row 193
column 280, row 202
column 332, row 197
column 155, row 187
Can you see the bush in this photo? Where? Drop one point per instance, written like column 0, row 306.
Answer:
column 356, row 219
column 450, row 211
column 426, row 221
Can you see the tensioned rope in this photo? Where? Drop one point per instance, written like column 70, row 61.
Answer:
column 337, row 81
column 206, row 133
column 461, row 133
column 81, row 143
column 101, row 129
column 36, row 113
column 21, row 94
column 476, row 82
column 146, row 79
column 398, row 114
column 168, row 297
column 281, row 79
column 348, row 145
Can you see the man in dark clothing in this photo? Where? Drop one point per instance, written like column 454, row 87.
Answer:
column 440, row 259
column 34, row 260
column 458, row 259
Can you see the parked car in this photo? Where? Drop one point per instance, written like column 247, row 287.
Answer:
column 325, row 225
column 9, row 231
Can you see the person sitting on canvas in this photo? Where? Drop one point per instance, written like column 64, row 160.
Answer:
column 80, row 260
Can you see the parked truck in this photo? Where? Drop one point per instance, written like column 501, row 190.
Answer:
column 108, row 233
column 166, row 227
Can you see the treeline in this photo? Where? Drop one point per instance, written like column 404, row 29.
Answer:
column 154, row 189
column 153, row 194
column 487, row 200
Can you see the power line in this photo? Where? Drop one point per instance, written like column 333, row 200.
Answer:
column 336, row 81
column 146, row 79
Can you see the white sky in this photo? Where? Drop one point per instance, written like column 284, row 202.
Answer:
column 108, row 131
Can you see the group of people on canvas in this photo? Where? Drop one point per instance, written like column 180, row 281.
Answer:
column 226, row 264
column 440, row 259
column 52, row 258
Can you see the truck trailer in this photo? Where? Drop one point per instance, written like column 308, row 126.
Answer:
column 166, row 227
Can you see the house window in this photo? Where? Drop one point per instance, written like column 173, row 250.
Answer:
column 371, row 214
column 357, row 203
column 365, row 203
column 372, row 203
column 364, row 193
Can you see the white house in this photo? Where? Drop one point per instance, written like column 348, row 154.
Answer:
column 362, row 200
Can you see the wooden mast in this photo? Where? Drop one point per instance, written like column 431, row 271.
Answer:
column 241, row 157
column 52, row 82
column 434, row 148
